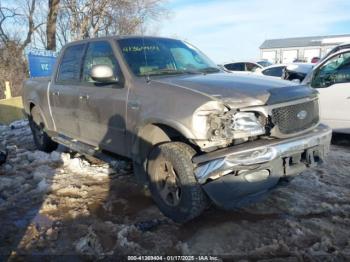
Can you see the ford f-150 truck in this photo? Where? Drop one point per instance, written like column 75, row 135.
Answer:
column 195, row 134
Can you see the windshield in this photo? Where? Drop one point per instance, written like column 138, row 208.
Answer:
column 159, row 56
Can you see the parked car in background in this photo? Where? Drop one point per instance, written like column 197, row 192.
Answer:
column 331, row 77
column 243, row 67
column 223, row 68
column 273, row 70
column 295, row 71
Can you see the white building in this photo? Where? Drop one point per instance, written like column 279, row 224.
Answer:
column 302, row 48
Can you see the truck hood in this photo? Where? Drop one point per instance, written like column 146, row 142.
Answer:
column 239, row 90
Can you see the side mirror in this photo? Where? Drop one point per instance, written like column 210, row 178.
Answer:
column 102, row 74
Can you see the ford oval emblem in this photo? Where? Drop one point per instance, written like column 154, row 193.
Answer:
column 302, row 114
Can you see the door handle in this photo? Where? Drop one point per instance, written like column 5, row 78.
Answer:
column 348, row 97
column 84, row 97
column 56, row 93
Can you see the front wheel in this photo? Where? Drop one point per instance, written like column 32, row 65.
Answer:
column 172, row 182
column 41, row 140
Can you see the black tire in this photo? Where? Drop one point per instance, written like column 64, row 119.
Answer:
column 172, row 183
column 41, row 140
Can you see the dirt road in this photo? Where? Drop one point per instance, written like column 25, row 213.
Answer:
column 59, row 203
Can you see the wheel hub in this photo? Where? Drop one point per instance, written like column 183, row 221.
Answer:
column 168, row 184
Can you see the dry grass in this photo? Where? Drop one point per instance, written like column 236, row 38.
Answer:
column 11, row 110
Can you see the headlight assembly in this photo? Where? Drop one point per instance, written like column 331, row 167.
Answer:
column 216, row 123
column 235, row 125
column 246, row 124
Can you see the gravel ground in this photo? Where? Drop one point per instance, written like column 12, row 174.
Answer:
column 65, row 204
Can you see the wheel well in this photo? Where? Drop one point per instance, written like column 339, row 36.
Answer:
column 147, row 138
column 176, row 136
column 173, row 134
column 31, row 105
column 33, row 117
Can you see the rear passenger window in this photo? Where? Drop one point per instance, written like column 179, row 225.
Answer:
column 69, row 69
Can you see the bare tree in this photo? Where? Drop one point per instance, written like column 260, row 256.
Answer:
column 93, row 18
column 78, row 19
column 51, row 24
column 32, row 27
column 86, row 16
column 6, row 14
column 18, row 23
column 12, row 67
column 13, row 20
column 59, row 21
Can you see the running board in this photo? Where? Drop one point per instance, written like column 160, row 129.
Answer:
column 84, row 149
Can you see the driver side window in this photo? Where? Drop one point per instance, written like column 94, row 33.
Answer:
column 336, row 70
column 98, row 53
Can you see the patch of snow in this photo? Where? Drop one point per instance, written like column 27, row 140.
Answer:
column 123, row 237
column 43, row 186
column 18, row 124
column 43, row 172
column 90, row 245
column 39, row 157
column 56, row 156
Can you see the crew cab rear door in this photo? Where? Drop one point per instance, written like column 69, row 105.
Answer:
column 64, row 91
column 332, row 80
column 102, row 107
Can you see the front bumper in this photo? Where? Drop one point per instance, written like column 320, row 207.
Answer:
column 231, row 175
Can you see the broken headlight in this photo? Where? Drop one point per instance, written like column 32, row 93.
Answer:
column 246, row 124
column 215, row 122
column 202, row 116
column 235, row 126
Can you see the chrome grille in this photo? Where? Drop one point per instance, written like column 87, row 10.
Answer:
column 296, row 118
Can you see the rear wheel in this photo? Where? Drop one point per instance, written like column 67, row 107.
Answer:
column 41, row 140
column 172, row 183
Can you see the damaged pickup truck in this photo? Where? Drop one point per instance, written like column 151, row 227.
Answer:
column 195, row 134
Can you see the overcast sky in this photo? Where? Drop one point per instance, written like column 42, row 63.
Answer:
column 229, row 30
